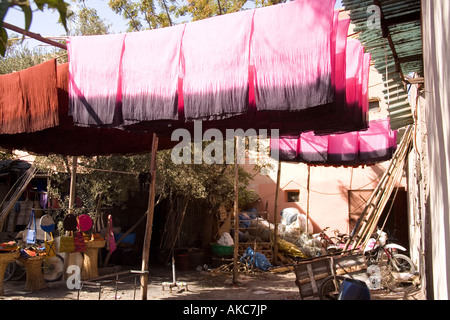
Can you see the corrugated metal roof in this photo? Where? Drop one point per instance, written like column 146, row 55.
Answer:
column 396, row 47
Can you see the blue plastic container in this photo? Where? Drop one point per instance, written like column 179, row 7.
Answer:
column 352, row 289
column 129, row 238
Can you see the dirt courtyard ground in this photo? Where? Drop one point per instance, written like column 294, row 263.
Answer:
column 193, row 285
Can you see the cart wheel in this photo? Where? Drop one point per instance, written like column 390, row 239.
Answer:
column 53, row 268
column 10, row 270
column 14, row 271
column 329, row 289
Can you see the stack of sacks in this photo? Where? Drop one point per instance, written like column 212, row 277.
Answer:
column 377, row 143
column 280, row 67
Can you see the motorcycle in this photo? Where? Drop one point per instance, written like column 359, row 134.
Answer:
column 378, row 246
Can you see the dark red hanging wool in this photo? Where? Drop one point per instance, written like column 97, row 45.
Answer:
column 28, row 99
column 12, row 108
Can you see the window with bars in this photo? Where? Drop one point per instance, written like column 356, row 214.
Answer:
column 292, row 195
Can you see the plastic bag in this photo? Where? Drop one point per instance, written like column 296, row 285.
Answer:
column 256, row 259
column 226, row 240
column 31, row 234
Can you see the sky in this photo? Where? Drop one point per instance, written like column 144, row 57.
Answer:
column 46, row 23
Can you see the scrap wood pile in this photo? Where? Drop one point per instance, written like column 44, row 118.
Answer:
column 242, row 267
column 294, row 243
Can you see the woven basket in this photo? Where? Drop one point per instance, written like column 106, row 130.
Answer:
column 32, row 262
column 35, row 278
column 5, row 259
column 8, row 257
column 90, row 261
column 95, row 244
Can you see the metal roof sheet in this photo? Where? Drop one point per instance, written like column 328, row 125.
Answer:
column 395, row 46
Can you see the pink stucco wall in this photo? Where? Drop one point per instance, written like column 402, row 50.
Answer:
column 328, row 191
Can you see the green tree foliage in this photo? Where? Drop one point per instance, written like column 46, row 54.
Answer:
column 86, row 21
column 27, row 9
column 147, row 14
column 18, row 57
column 113, row 178
column 211, row 183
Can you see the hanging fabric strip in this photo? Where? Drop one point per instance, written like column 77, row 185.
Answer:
column 354, row 63
column 343, row 148
column 312, row 148
column 13, row 111
column 291, row 52
column 338, row 120
column 28, row 99
column 94, row 77
column 216, row 66
column 376, row 144
column 150, row 72
column 365, row 88
column 288, row 149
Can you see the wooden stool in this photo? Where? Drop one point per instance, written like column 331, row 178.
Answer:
column 90, row 261
column 5, row 259
column 35, row 277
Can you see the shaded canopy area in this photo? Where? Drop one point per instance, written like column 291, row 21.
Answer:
column 290, row 81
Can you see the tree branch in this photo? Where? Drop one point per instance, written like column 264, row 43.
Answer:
column 34, row 36
column 167, row 12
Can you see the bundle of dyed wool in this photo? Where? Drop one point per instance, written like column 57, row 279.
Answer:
column 278, row 67
column 377, row 143
column 29, row 99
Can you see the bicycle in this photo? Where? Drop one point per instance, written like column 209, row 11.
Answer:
column 339, row 238
column 325, row 240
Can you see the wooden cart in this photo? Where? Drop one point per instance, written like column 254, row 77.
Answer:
column 310, row 274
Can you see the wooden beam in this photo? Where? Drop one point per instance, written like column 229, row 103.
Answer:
column 236, row 209
column 415, row 81
column 34, row 36
column 387, row 35
column 307, row 203
column 411, row 17
column 73, row 181
column 416, row 57
column 149, row 225
column 275, row 217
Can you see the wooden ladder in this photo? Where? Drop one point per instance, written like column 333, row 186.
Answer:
column 18, row 188
column 368, row 220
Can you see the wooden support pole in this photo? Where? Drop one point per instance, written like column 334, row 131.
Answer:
column 73, row 182
column 149, row 225
column 275, row 217
column 307, row 203
column 236, row 213
column 34, row 36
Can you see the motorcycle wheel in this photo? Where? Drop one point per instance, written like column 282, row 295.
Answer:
column 401, row 263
